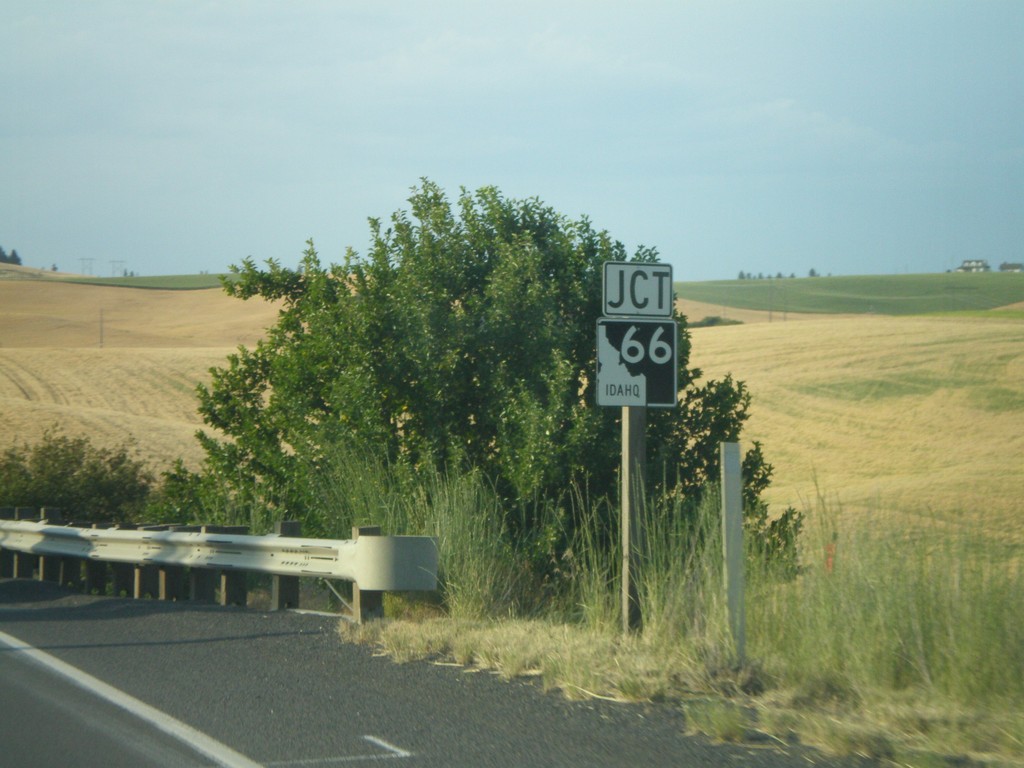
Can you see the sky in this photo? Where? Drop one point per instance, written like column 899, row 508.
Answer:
column 766, row 137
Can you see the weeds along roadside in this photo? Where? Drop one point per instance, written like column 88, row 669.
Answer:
column 886, row 642
column 881, row 643
column 914, row 634
column 889, row 641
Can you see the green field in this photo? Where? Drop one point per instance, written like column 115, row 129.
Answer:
column 157, row 282
column 868, row 294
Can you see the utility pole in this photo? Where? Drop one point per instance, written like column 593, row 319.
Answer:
column 114, row 264
column 86, row 265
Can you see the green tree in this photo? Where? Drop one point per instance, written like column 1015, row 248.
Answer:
column 464, row 338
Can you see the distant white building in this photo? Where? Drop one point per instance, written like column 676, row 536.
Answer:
column 974, row 265
column 1011, row 266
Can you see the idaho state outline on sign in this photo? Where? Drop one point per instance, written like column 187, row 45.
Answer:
column 637, row 363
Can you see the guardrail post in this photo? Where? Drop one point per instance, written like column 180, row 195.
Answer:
column 96, row 571
column 124, row 573
column 25, row 564
column 50, row 566
column 366, row 604
column 171, row 578
column 6, row 555
column 202, row 582
column 71, row 567
column 145, row 578
column 145, row 582
column 233, row 587
column 284, row 591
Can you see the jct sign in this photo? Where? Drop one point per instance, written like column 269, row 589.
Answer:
column 636, row 362
column 633, row 289
column 636, row 349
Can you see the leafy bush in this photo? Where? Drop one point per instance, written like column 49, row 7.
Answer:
column 464, row 340
column 83, row 481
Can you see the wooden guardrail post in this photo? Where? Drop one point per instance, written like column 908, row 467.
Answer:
column 284, row 590
column 25, row 564
column 171, row 583
column 123, row 573
column 50, row 566
column 200, row 583
column 234, row 589
column 72, row 568
column 96, row 571
column 6, row 555
column 366, row 604
column 146, row 578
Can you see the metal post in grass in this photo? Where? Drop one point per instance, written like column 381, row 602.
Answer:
column 732, row 542
column 634, row 459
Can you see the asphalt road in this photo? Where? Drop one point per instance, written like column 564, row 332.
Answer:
column 205, row 685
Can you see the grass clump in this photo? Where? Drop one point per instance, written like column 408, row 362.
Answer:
column 722, row 721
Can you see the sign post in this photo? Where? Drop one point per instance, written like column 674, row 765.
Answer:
column 634, row 459
column 637, row 369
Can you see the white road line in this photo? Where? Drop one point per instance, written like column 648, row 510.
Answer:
column 392, row 751
column 219, row 753
column 389, row 747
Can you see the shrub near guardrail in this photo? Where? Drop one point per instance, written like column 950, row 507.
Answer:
column 70, row 473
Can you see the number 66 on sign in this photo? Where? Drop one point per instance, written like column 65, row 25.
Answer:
column 636, row 362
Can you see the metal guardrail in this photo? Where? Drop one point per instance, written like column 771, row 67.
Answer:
column 374, row 563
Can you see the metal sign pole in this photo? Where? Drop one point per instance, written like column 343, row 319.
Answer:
column 634, row 460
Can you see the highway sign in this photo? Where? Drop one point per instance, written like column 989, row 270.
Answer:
column 636, row 289
column 637, row 362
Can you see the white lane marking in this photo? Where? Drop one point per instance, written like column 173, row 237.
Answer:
column 389, row 747
column 219, row 753
column 393, row 753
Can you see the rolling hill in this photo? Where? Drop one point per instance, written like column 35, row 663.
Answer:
column 887, row 416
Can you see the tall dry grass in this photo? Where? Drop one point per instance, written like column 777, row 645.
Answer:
column 903, row 648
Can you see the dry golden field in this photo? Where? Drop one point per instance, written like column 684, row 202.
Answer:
column 139, row 386
column 923, row 416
